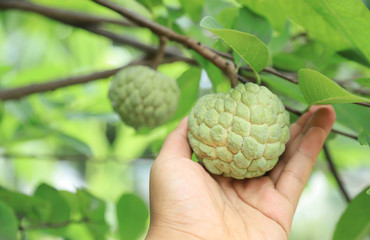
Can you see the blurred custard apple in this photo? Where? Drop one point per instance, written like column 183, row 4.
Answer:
column 143, row 97
column 241, row 133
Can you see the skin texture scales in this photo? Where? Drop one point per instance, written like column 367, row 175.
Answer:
column 241, row 133
column 143, row 97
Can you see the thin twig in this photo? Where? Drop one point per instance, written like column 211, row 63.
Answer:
column 160, row 53
column 345, row 134
column 292, row 110
column 298, row 113
column 335, row 173
column 225, row 65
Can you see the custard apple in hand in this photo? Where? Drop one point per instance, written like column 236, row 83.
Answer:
column 241, row 133
column 143, row 97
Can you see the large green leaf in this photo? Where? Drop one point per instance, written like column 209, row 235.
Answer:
column 132, row 215
column 353, row 116
column 249, row 47
column 193, row 8
column 319, row 89
column 364, row 138
column 301, row 12
column 351, row 19
column 8, row 223
column 364, row 81
column 252, row 23
column 32, row 208
column 93, row 209
column 270, row 9
column 189, row 84
column 355, row 222
column 283, row 87
column 60, row 211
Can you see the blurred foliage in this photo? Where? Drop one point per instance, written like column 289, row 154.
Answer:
column 71, row 139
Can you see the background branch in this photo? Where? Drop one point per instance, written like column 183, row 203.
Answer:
column 92, row 24
column 20, row 92
column 335, row 173
column 160, row 53
column 226, row 66
column 68, row 17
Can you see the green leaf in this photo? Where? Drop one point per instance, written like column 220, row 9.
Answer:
column 270, row 9
column 249, row 47
column 188, row 83
column 364, row 81
column 219, row 82
column 32, row 208
column 193, row 8
column 351, row 19
column 93, row 209
column 288, row 62
column 364, row 138
column 354, row 55
column 355, row 222
column 302, row 13
column 353, row 116
column 283, row 87
column 228, row 16
column 252, row 23
column 8, row 223
column 149, row 4
column 132, row 215
column 60, row 210
column 319, row 89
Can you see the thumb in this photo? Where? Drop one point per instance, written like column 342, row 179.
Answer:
column 176, row 144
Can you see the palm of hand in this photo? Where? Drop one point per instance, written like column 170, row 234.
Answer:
column 187, row 201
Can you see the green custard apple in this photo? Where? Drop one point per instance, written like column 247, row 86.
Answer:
column 241, row 133
column 143, row 97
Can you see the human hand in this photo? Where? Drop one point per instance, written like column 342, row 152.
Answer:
column 187, row 202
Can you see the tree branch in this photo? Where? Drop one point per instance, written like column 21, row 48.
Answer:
column 160, row 53
column 335, row 173
column 68, row 17
column 20, row 92
column 226, row 66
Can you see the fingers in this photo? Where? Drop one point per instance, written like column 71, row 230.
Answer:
column 297, row 131
column 176, row 144
column 299, row 166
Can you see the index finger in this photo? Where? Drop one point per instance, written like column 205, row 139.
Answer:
column 176, row 144
column 298, row 168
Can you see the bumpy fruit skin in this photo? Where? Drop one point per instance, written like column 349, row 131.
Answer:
column 240, row 134
column 143, row 97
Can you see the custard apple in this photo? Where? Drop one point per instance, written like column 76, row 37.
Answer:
column 143, row 97
column 241, row 133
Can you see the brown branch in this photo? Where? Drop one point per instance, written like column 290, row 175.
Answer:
column 345, row 134
column 87, row 22
column 68, row 17
column 20, row 92
column 298, row 113
column 335, row 173
column 226, row 66
column 160, row 53
column 16, row 93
